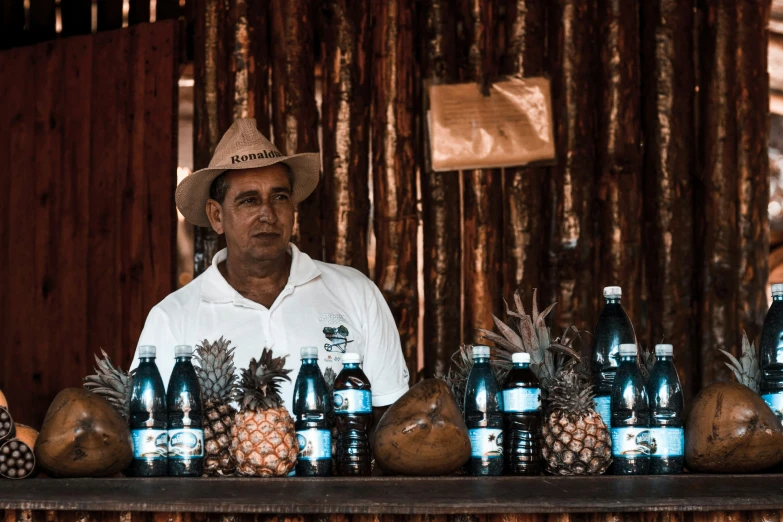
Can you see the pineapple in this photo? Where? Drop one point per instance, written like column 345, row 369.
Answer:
column 575, row 440
column 216, row 377
column 263, row 439
column 111, row 383
column 746, row 369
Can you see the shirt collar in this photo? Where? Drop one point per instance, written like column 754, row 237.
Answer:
column 216, row 289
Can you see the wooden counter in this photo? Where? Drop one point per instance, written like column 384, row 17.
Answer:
column 730, row 498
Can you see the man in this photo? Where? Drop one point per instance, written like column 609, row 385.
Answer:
column 261, row 291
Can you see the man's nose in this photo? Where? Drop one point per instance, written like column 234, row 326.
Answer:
column 267, row 213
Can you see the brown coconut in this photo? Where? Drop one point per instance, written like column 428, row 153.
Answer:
column 26, row 434
column 730, row 429
column 3, row 401
column 423, row 433
column 83, row 436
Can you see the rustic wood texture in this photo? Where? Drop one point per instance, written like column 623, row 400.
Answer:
column 394, row 167
column 716, row 204
column 109, row 15
column 76, row 17
column 753, row 166
column 571, row 278
column 117, row 206
column 727, row 498
column 524, row 189
column 482, row 241
column 209, row 123
column 668, row 85
column 440, row 193
column 619, row 154
column 346, row 124
column 294, row 113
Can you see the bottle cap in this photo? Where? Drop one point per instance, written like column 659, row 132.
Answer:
column 664, row 350
column 520, row 357
column 146, row 351
column 628, row 349
column 480, row 350
column 183, row 350
column 777, row 289
column 309, row 352
column 351, row 358
column 613, row 291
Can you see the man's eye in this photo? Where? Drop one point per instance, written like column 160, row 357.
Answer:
column 281, row 197
column 247, row 201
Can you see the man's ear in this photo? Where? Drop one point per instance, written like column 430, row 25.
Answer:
column 215, row 215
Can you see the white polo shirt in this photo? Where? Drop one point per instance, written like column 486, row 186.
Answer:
column 330, row 306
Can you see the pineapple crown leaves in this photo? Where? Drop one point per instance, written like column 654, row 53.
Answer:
column 111, row 383
column 215, row 370
column 746, row 369
column 259, row 387
column 457, row 376
column 547, row 357
column 572, row 390
column 330, row 377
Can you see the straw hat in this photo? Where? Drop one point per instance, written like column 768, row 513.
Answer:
column 244, row 147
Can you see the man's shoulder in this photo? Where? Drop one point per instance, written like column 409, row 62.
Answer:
column 181, row 299
column 343, row 275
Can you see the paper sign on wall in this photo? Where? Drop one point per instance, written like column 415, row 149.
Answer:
column 510, row 127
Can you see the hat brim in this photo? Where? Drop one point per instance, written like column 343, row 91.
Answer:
column 193, row 192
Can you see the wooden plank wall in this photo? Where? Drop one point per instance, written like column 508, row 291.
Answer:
column 88, row 219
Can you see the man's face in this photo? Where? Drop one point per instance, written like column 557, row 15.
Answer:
column 257, row 214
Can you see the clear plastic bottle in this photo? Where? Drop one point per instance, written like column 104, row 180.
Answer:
column 771, row 353
column 522, row 418
column 630, row 417
column 185, row 411
column 148, row 418
column 667, row 435
column 484, row 416
column 613, row 329
column 312, row 406
column 352, row 401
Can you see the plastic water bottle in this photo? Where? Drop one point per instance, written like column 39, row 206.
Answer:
column 771, row 352
column 522, row 418
column 312, row 404
column 186, row 435
column 484, row 416
column 352, row 400
column 630, row 417
column 667, row 436
column 613, row 329
column 148, row 418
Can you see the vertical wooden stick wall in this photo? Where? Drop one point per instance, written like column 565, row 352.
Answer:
column 681, row 225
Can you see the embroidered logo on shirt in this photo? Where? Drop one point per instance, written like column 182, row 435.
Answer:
column 338, row 337
column 331, row 318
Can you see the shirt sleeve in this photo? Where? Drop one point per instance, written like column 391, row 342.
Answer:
column 384, row 363
column 157, row 332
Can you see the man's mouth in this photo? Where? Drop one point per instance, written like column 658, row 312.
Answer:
column 267, row 235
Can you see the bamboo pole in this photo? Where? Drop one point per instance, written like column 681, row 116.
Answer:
column 524, row 188
column 394, row 167
column 295, row 117
column 346, row 119
column 753, row 165
column 670, row 148
column 570, row 271
column 441, row 208
column 716, row 238
column 619, row 153
column 482, row 191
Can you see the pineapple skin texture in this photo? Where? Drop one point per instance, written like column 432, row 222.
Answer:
column 575, row 444
column 264, row 443
column 217, row 439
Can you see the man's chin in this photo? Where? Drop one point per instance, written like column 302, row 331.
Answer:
column 269, row 250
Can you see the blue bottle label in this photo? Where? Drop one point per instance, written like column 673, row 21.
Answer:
column 314, row 444
column 150, row 444
column 775, row 403
column 520, row 400
column 486, row 443
column 352, row 401
column 667, row 442
column 630, row 442
column 186, row 443
column 603, row 405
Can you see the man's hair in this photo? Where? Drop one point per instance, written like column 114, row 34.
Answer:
column 219, row 187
